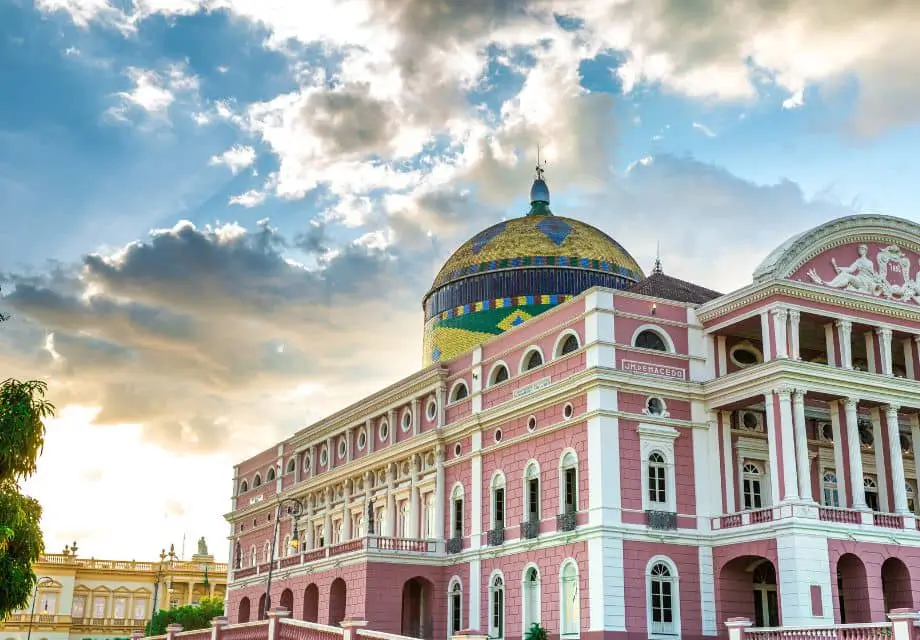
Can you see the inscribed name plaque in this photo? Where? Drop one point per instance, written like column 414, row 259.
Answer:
column 650, row 369
column 536, row 385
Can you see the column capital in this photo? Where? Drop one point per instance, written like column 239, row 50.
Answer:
column 850, row 403
column 846, row 325
column 780, row 312
column 892, row 408
column 798, row 394
column 883, row 332
column 784, row 393
column 794, row 315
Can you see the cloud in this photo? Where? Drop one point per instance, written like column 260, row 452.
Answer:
column 236, row 158
column 706, row 131
column 154, row 92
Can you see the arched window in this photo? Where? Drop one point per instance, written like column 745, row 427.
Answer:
column 460, row 392
column 531, row 593
column 253, row 560
column 237, row 556
column 870, row 487
column 403, row 528
column 568, row 345
column 257, row 481
column 498, row 374
column 532, row 360
column 569, row 484
column 271, row 474
column 456, row 608
column 267, row 552
column 456, row 512
column 291, row 465
column 649, row 339
column 663, row 600
column 244, row 486
column 286, row 549
column 752, row 491
column 570, row 604
column 497, row 608
column 498, row 502
column 831, row 493
column 532, row 493
column 657, row 481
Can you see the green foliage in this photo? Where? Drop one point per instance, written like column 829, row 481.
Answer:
column 535, row 632
column 191, row 617
column 22, row 430
column 23, row 544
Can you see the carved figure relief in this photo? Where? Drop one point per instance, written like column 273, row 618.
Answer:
column 888, row 277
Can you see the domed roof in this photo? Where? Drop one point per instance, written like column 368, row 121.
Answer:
column 539, row 241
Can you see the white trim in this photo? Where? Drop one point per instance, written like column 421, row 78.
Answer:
column 453, row 390
column 493, row 370
column 254, row 484
column 562, row 566
column 431, row 414
column 342, row 449
column 405, row 420
column 526, row 497
column 452, row 516
column 745, row 345
column 658, row 439
column 561, row 470
column 664, row 407
column 497, row 573
column 660, row 332
column 287, row 465
column 675, row 596
column 525, row 624
column 361, row 432
column 498, row 481
column 560, row 340
column 527, row 352
column 454, row 581
column 383, row 422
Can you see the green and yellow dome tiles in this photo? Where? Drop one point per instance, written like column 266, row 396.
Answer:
column 515, row 270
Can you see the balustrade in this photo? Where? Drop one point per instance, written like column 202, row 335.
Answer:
column 567, row 521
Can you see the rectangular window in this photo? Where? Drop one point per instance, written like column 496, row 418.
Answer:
column 458, row 518
column 656, row 484
column 499, row 509
column 752, row 496
column 140, row 609
column 79, row 607
column 99, row 607
column 872, row 500
column 119, row 609
column 570, row 491
column 455, row 620
column 533, row 500
column 48, row 603
column 498, row 613
column 831, row 497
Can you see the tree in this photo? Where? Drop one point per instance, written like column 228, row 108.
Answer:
column 192, row 616
column 23, row 409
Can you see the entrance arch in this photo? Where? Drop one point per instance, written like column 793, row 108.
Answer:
column 242, row 614
column 311, row 603
column 287, row 601
column 262, row 615
column 852, row 590
column 748, row 589
column 337, row 598
column 416, row 608
column 896, row 589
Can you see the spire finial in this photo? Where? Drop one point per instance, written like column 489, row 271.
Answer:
column 540, row 165
column 539, row 192
column 657, row 268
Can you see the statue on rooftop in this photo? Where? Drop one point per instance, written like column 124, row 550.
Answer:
column 202, row 547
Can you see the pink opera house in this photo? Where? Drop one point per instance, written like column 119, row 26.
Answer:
column 613, row 455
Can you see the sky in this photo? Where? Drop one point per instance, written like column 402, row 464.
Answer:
column 218, row 217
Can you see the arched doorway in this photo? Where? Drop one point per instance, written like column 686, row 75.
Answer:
column 242, row 614
column 416, row 608
column 287, row 600
column 747, row 589
column 311, row 603
column 262, row 615
column 852, row 590
column 337, row 598
column 896, row 589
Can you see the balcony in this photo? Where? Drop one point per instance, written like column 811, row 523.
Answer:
column 454, row 545
column 496, row 537
column 661, row 520
column 530, row 529
column 96, row 623
column 831, row 515
column 567, row 521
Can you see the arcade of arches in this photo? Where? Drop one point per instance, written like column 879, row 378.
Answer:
column 338, row 592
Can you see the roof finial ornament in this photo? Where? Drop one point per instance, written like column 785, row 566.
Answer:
column 539, row 192
column 657, row 268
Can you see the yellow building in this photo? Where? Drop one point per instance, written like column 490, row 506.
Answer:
column 85, row 598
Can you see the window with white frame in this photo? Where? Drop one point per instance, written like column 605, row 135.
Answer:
column 497, row 608
column 656, row 443
column 569, row 484
column 831, row 493
column 267, row 551
column 752, row 486
column 870, row 488
column 291, row 465
column 257, row 481
column 456, row 512
column 403, row 524
column 252, row 556
column 460, row 392
column 498, row 501
column 119, row 608
column 651, row 339
column 271, row 474
column 338, row 531
column 456, row 608
column 568, row 345
column 49, row 604
column 244, row 486
column 140, row 608
column 99, row 605
column 429, row 517
column 531, row 594
column 570, row 606
column 78, row 609
column 663, row 600
column 532, row 492
column 286, row 548
column 498, row 374
column 532, row 360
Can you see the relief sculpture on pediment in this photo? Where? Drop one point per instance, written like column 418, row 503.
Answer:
column 889, row 276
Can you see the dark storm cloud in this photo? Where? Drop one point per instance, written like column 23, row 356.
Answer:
column 349, row 121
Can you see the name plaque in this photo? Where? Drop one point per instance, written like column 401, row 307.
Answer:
column 536, row 385
column 651, row 369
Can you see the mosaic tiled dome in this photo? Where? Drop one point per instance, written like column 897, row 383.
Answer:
column 517, row 269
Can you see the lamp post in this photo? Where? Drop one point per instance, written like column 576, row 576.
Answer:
column 295, row 509
column 38, row 583
column 159, row 576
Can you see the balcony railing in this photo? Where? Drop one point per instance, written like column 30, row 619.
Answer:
column 107, row 622
column 176, row 566
column 662, row 520
column 496, row 537
column 833, row 515
column 567, row 521
column 530, row 529
column 454, row 545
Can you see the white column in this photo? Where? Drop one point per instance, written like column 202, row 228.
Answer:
column 391, row 501
column 844, row 337
column 416, row 418
column 475, row 493
column 897, row 462
column 366, row 507
column 772, row 449
column 916, row 348
column 855, row 451
column 349, row 443
column 413, row 502
column 884, row 348
column 392, row 425
column 439, row 494
column 722, row 355
column 330, row 453
column 871, row 360
column 371, row 435
column 327, row 528
column 790, row 477
column 908, row 346
column 765, row 336
column 728, row 460
column 839, row 462
column 308, row 544
column 915, row 444
column 346, row 513
column 881, row 460
column 829, row 344
column 441, row 394
column 780, row 317
column 794, row 317
column 803, row 463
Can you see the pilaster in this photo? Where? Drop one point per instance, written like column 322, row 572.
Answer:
column 794, row 318
column 780, row 318
column 855, row 453
column 898, row 491
column 844, row 338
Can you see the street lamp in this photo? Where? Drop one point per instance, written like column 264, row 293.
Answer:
column 159, row 576
column 295, row 509
column 38, row 583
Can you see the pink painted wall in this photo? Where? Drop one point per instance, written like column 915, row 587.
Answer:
column 733, row 578
column 642, row 306
column 556, row 370
column 872, row 558
column 626, row 326
column 636, row 557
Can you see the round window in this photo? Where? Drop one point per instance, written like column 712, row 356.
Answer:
column 654, row 406
column 827, row 431
column 431, row 409
column 498, row 435
column 343, row 447
column 568, row 411
column 323, row 456
column 384, row 430
column 362, row 440
column 531, row 423
column 457, row 450
column 306, row 463
column 749, row 420
column 744, row 355
column 406, row 419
